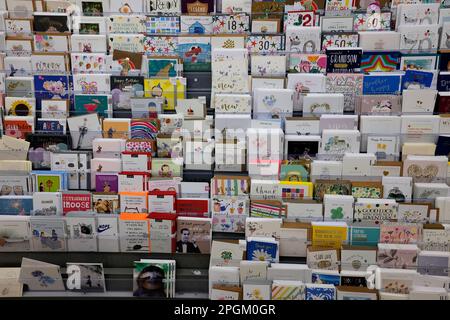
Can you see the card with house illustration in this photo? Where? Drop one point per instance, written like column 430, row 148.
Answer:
column 195, row 52
column 196, row 24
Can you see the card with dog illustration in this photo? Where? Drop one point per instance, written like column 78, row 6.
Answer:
column 420, row 37
column 105, row 202
column 163, row 66
column 195, row 52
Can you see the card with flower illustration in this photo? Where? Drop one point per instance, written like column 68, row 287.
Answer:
column 88, row 62
column 273, row 103
column 126, row 42
column 230, row 205
column 160, row 45
column 256, row 290
column 15, row 106
column 195, row 52
column 414, row 212
column 400, row 232
column 367, row 189
column 48, row 42
column 51, row 87
column 419, row 37
column 265, row 43
column 236, row 23
column 340, row 40
column 126, row 24
column 18, row 27
column 303, row 39
column 307, row 63
column 196, row 24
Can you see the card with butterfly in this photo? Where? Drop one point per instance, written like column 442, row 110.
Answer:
column 91, row 83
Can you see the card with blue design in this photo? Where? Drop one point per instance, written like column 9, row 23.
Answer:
column 16, row 205
column 195, row 52
column 196, row 24
column 364, row 235
column 162, row 24
column 320, row 292
column 262, row 249
column 57, row 126
column 381, row 83
column 163, row 66
column 443, row 83
column 413, row 79
column 51, row 87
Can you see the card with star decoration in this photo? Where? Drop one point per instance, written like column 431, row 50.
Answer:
column 340, row 40
column 265, row 43
column 236, row 23
column 365, row 21
column 160, row 45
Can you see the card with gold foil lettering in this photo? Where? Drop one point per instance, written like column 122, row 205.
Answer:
column 343, row 60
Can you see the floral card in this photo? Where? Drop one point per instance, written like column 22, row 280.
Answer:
column 17, row 27
column 307, row 63
column 403, row 233
column 264, row 43
column 400, row 256
column 51, row 43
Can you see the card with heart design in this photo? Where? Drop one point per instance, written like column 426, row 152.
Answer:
column 273, row 103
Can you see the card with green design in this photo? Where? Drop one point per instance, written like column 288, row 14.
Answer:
column 48, row 183
column 367, row 189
